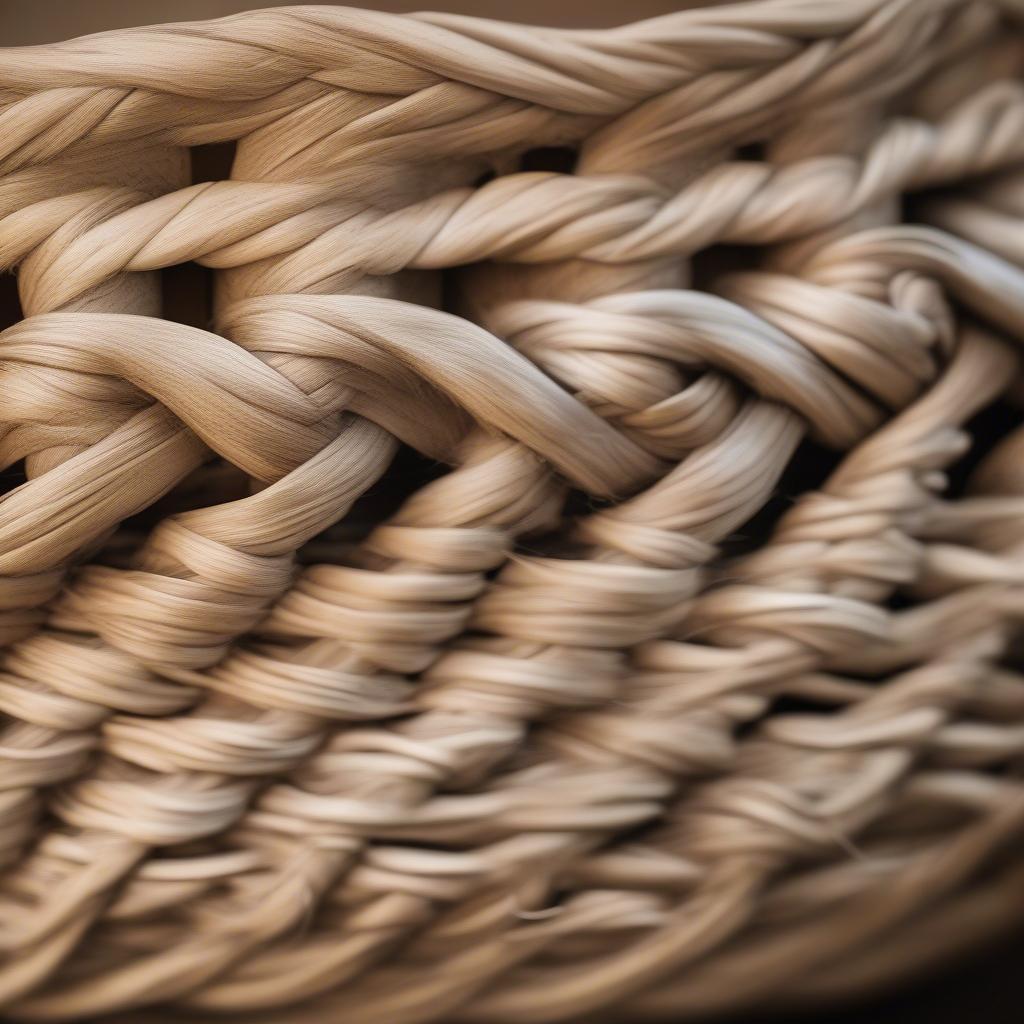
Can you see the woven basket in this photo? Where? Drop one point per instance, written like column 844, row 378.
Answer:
column 537, row 592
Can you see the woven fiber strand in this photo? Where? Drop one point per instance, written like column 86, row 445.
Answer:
column 603, row 700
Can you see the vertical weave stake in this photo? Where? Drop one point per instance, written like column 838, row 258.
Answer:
column 463, row 627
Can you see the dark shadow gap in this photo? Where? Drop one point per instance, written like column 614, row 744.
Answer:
column 187, row 295
column 10, row 305
column 987, row 429
column 212, row 162
column 556, row 159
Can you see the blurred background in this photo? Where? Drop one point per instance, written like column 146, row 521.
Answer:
column 986, row 989
column 23, row 22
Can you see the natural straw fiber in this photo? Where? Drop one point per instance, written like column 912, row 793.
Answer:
column 666, row 670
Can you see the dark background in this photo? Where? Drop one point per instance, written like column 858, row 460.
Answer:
column 987, row 987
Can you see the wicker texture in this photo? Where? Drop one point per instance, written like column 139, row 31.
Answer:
column 549, row 728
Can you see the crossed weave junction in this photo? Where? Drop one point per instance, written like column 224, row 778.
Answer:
column 577, row 570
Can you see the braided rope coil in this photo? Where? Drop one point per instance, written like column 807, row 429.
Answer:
column 533, row 595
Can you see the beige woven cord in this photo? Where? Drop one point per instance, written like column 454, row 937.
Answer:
column 539, row 595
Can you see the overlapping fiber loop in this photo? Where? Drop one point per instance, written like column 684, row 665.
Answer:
column 533, row 595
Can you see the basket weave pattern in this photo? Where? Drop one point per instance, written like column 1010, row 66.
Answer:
column 459, row 629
